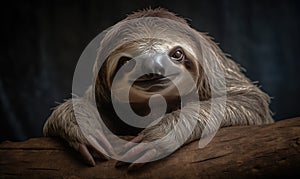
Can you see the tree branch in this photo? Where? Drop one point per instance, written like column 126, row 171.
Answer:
column 239, row 151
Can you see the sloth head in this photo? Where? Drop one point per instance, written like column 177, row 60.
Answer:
column 153, row 52
column 149, row 67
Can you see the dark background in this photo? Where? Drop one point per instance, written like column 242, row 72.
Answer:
column 42, row 41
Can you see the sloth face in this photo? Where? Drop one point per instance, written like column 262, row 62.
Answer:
column 151, row 67
column 149, row 55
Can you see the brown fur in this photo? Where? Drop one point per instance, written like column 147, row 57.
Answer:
column 246, row 104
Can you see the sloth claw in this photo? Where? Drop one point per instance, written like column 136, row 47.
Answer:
column 139, row 154
column 133, row 142
column 105, row 142
column 94, row 144
column 93, row 147
column 82, row 149
column 150, row 154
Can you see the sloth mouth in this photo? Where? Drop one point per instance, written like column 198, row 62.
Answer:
column 153, row 82
column 154, row 79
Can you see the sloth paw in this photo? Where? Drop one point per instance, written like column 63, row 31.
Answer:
column 93, row 147
column 138, row 152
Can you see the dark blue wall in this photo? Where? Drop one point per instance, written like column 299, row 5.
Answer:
column 42, row 41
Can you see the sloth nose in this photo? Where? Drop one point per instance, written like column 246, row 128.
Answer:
column 154, row 67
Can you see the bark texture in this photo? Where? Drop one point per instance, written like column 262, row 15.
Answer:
column 241, row 151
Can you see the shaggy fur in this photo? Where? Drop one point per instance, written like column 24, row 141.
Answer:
column 246, row 104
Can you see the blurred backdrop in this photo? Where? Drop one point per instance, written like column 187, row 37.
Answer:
column 42, row 41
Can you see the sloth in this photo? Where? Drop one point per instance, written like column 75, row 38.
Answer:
column 155, row 52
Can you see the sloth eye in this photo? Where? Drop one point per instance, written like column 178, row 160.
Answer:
column 177, row 55
column 125, row 61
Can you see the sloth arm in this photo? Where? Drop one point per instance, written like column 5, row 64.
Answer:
column 87, row 137
column 245, row 105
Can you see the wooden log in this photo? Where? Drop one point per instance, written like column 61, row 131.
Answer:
column 239, row 151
